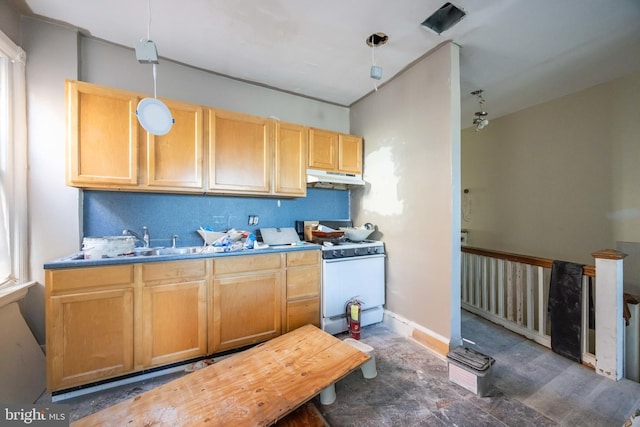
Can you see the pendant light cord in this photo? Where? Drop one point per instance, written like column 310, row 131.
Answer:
column 149, row 20
column 155, row 77
column 373, row 63
column 154, row 68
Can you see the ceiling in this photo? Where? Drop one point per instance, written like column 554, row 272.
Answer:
column 520, row 52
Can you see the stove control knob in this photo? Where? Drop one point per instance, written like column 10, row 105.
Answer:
column 341, row 252
column 335, row 254
column 355, row 251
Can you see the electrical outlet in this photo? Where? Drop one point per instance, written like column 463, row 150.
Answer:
column 253, row 220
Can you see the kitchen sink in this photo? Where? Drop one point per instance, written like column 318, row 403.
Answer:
column 185, row 250
column 178, row 251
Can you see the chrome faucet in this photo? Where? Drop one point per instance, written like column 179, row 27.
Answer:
column 144, row 238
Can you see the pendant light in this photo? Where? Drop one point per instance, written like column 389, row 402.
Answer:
column 153, row 115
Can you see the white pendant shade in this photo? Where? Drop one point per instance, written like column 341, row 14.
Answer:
column 154, row 116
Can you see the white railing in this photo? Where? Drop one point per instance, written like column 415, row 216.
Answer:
column 512, row 290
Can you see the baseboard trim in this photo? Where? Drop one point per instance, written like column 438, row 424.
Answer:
column 432, row 341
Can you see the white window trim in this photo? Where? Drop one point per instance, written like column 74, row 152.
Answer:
column 15, row 140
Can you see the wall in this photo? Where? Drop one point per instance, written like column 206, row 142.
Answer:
column 116, row 66
column 56, row 53
column 10, row 21
column 558, row 180
column 411, row 131
column 53, row 207
column 108, row 213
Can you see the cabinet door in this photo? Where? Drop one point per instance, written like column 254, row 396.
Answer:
column 239, row 153
column 102, row 136
column 350, row 154
column 323, row 149
column 174, row 322
column 246, row 309
column 174, row 160
column 290, row 160
column 90, row 337
column 303, row 312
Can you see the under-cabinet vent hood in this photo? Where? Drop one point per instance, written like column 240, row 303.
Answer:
column 328, row 179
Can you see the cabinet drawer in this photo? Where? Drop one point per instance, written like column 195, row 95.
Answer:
column 247, row 264
column 295, row 259
column 300, row 313
column 173, row 270
column 303, row 282
column 89, row 277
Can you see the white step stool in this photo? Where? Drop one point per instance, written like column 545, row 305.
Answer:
column 328, row 395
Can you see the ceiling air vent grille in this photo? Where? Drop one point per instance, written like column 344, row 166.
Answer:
column 444, row 18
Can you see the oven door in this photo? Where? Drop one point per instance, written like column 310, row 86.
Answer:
column 346, row 278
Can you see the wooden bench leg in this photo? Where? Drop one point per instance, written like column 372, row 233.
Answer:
column 328, row 395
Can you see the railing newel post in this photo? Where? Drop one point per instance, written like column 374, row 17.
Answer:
column 608, row 311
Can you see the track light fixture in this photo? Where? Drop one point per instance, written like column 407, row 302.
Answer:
column 480, row 121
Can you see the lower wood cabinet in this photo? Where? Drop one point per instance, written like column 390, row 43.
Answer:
column 89, row 325
column 247, row 297
column 174, row 311
column 106, row 321
column 302, row 290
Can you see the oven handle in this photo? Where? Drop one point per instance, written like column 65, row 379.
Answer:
column 353, row 258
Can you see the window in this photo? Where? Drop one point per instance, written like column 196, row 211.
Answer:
column 13, row 164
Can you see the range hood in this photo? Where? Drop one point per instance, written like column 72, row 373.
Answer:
column 327, row 179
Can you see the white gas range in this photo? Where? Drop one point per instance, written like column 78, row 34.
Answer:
column 351, row 270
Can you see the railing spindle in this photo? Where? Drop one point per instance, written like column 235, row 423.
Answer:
column 529, row 296
column 492, row 286
column 542, row 312
column 502, row 287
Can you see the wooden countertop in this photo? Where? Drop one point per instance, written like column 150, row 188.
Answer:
column 256, row 387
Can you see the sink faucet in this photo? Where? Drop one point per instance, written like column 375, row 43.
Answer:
column 144, row 238
column 174, row 238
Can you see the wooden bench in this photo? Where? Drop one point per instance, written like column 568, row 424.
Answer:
column 256, row 387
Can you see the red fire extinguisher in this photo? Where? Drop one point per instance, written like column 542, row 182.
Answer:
column 354, row 308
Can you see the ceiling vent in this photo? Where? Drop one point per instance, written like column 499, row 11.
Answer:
column 444, row 18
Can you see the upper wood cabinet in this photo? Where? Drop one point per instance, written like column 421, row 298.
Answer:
column 349, row 154
column 290, row 152
column 254, row 155
column 332, row 151
column 239, row 153
column 102, row 136
column 207, row 150
column 174, row 160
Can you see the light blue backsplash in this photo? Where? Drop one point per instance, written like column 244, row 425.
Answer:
column 107, row 213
